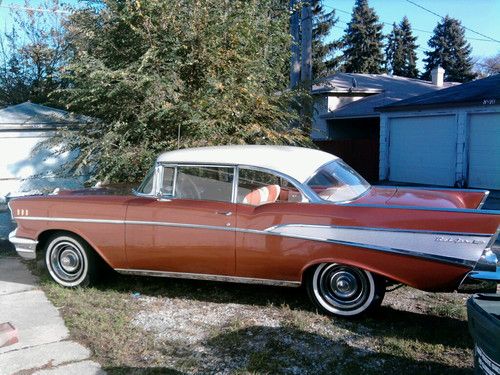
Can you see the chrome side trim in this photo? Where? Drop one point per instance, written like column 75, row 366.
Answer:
column 201, row 276
column 383, row 230
column 25, row 247
column 420, row 208
column 472, row 190
column 446, row 247
column 481, row 204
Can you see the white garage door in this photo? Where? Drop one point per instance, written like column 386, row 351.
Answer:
column 484, row 150
column 423, row 150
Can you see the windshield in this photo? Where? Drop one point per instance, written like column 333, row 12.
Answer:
column 337, row 182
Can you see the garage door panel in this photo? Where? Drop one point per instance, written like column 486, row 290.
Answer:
column 423, row 150
column 484, row 150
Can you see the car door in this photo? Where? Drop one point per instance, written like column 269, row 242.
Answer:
column 190, row 228
column 264, row 201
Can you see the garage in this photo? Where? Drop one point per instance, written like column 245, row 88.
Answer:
column 423, row 151
column 484, row 150
column 29, row 164
column 449, row 137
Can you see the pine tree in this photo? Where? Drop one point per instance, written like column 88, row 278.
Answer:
column 450, row 50
column 400, row 51
column 363, row 41
column 324, row 61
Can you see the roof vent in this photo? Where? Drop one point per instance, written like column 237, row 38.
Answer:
column 438, row 76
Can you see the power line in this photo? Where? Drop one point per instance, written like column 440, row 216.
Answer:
column 413, row 28
column 440, row 16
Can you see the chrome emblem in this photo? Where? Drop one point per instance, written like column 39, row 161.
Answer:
column 458, row 240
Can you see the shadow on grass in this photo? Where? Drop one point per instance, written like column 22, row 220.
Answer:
column 288, row 350
column 384, row 322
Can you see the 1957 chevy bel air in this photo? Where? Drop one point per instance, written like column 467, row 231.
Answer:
column 269, row 215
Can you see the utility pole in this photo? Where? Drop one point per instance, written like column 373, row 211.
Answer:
column 295, row 33
column 306, row 68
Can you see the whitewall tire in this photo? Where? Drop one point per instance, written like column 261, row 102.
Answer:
column 70, row 261
column 342, row 290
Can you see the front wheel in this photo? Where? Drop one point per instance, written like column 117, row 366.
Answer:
column 338, row 289
column 70, row 261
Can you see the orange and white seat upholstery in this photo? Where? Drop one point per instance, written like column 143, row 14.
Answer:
column 263, row 195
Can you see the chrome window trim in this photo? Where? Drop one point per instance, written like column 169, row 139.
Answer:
column 303, row 189
column 207, row 165
column 210, row 277
column 325, row 201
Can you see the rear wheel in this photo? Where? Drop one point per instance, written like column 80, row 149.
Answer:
column 338, row 289
column 70, row 261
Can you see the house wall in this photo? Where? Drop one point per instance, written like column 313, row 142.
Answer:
column 27, row 164
column 324, row 104
column 461, row 117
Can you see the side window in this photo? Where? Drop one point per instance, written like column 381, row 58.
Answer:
column 204, row 183
column 167, row 186
column 146, row 187
column 257, row 188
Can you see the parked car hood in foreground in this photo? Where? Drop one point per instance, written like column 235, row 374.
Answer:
column 421, row 197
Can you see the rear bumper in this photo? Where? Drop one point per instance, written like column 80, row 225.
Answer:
column 488, row 266
column 25, row 247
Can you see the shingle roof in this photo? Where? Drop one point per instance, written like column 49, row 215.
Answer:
column 384, row 89
column 484, row 91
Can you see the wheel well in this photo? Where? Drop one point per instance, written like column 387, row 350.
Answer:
column 44, row 237
column 309, row 270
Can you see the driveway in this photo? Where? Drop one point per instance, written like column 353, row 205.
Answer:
column 43, row 345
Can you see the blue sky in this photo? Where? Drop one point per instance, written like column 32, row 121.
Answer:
column 480, row 15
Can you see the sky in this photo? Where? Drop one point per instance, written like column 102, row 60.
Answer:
column 479, row 15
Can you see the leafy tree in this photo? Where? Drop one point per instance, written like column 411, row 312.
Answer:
column 161, row 75
column 401, row 56
column 363, row 41
column 487, row 66
column 324, row 61
column 32, row 54
column 450, row 50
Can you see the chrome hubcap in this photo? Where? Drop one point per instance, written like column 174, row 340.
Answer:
column 342, row 287
column 66, row 261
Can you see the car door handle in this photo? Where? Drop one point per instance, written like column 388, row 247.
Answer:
column 225, row 213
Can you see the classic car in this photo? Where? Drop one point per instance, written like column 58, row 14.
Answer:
column 276, row 215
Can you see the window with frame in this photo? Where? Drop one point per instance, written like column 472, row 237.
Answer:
column 167, row 185
column 146, row 187
column 204, row 183
column 257, row 188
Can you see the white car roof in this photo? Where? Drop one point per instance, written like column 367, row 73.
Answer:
column 297, row 162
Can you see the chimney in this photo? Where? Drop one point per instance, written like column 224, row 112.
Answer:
column 437, row 76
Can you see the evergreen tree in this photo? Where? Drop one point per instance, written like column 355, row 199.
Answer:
column 324, row 61
column 450, row 50
column 401, row 50
column 363, row 41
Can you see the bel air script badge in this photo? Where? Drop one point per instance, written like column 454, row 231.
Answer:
column 458, row 240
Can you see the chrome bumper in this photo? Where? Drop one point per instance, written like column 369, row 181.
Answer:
column 25, row 247
column 488, row 266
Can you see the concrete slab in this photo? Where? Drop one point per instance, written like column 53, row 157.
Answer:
column 41, row 357
column 79, row 368
column 15, row 277
column 36, row 319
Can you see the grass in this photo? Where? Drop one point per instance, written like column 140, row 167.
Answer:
column 202, row 327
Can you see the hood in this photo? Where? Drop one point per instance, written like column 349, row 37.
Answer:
column 424, row 197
